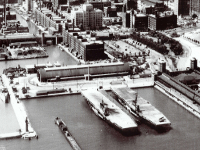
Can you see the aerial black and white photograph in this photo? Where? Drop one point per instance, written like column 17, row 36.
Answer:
column 99, row 74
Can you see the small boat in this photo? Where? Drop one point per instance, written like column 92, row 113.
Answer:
column 29, row 135
column 61, row 124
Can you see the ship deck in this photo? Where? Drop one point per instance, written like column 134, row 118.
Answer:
column 116, row 115
column 146, row 110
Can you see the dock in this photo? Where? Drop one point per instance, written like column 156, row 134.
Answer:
column 20, row 112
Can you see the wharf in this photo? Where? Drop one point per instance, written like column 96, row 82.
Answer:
column 76, row 86
column 62, row 47
column 179, row 99
column 19, row 110
column 10, row 135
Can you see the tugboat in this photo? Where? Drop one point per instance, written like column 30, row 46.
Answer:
column 61, row 124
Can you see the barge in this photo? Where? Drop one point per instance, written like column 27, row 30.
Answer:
column 61, row 124
column 109, row 112
column 141, row 108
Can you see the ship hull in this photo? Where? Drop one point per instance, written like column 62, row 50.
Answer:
column 159, row 128
column 67, row 134
column 124, row 131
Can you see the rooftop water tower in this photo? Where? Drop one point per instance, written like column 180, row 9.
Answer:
column 193, row 63
column 162, row 65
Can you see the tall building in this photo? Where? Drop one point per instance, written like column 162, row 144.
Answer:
column 140, row 22
column 128, row 19
column 195, row 7
column 131, row 4
column 162, row 21
column 29, row 5
column 88, row 17
column 182, row 7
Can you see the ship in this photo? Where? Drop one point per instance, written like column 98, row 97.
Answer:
column 141, row 108
column 61, row 124
column 109, row 112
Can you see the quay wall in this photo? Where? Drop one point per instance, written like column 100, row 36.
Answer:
column 18, row 107
column 179, row 98
column 170, row 82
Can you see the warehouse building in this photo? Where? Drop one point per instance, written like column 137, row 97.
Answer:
column 82, row 71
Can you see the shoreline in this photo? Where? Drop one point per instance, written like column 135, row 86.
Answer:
column 179, row 101
column 79, row 92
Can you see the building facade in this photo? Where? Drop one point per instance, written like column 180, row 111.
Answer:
column 140, row 22
column 182, row 7
column 88, row 17
column 110, row 11
column 83, row 45
column 162, row 21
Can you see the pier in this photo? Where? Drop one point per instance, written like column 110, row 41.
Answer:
column 20, row 112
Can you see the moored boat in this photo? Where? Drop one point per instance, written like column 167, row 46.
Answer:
column 141, row 108
column 109, row 112
column 61, row 124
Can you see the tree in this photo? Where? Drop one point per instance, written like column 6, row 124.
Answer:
column 194, row 16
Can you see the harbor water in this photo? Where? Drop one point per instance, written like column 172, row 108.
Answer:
column 92, row 133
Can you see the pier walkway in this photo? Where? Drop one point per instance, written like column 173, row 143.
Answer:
column 20, row 112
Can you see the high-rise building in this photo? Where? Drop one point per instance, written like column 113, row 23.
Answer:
column 128, row 19
column 182, row 7
column 195, row 7
column 131, row 4
column 88, row 17
column 29, row 5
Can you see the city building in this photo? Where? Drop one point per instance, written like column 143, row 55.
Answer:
column 149, row 7
column 29, row 5
column 131, row 4
column 87, row 17
column 83, row 45
column 182, row 7
column 57, row 3
column 140, row 22
column 162, row 21
column 110, row 11
column 49, row 19
column 195, row 7
column 128, row 19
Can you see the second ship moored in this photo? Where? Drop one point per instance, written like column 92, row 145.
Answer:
column 141, row 108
